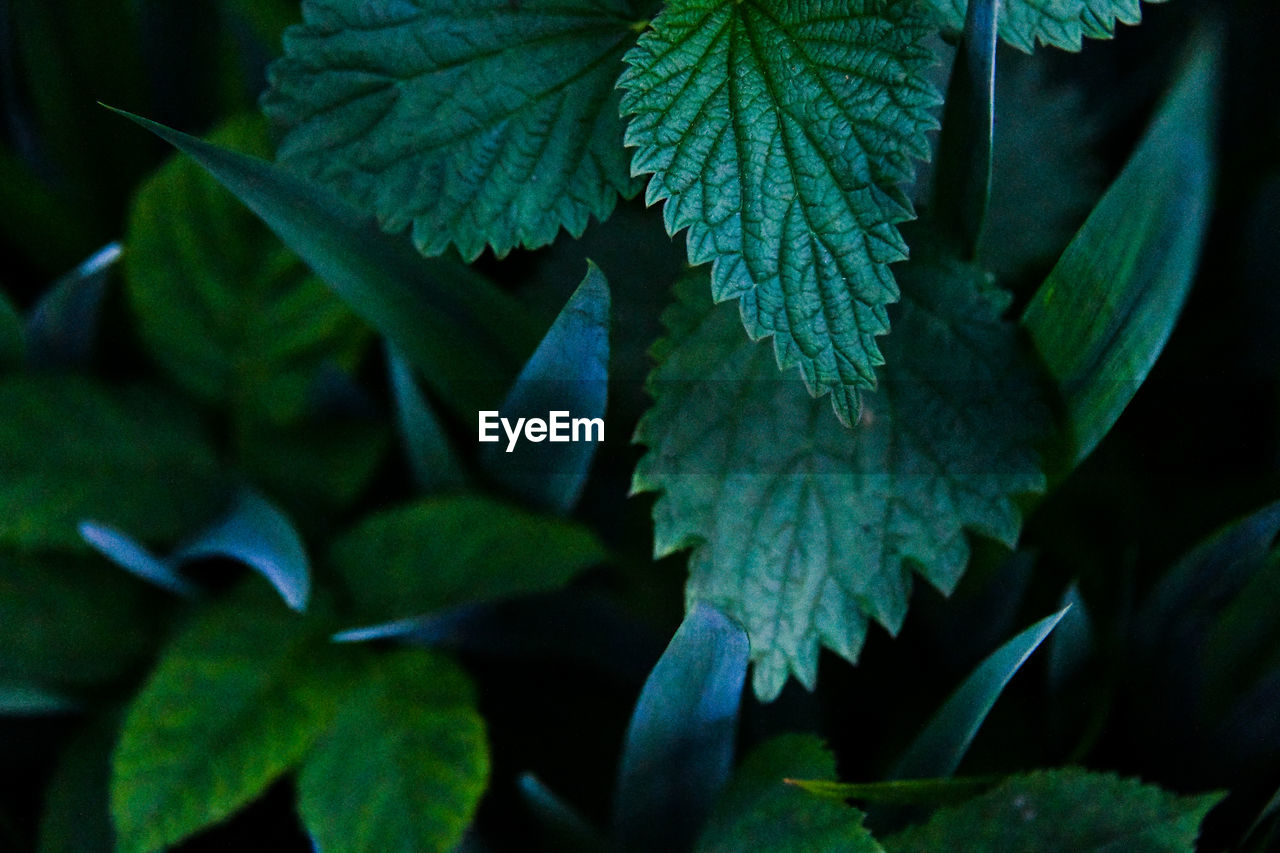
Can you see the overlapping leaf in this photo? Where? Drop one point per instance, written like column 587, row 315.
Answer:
column 806, row 531
column 1056, row 23
column 777, row 134
column 478, row 122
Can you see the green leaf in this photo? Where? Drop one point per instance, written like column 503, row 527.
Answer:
column 902, row 792
column 1104, row 313
column 12, row 343
column 477, row 122
column 67, row 621
column 63, row 325
column 1063, row 811
column 465, row 336
column 1056, row 23
column 236, row 701
column 778, row 133
column 404, row 764
column 444, row 551
column 938, row 749
column 230, row 313
column 760, row 811
column 678, row 748
column 567, row 373
column 71, row 449
column 432, row 458
column 804, row 531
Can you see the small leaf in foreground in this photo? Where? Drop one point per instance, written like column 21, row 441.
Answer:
column 476, row 122
column 678, row 749
column 236, row 701
column 760, row 811
column 404, row 764
column 444, row 551
column 938, row 749
column 778, row 135
column 1063, row 811
column 72, row 449
column 1104, row 313
column 568, row 373
column 804, row 531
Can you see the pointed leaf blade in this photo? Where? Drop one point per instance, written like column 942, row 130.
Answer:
column 777, row 134
column 567, row 374
column 938, row 749
column 678, row 749
column 431, row 458
column 1106, row 310
column 123, row 550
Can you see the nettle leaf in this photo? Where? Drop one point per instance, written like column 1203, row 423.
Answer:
column 804, row 531
column 231, row 313
column 760, row 811
column 234, row 703
column 1055, row 23
column 445, row 551
column 477, row 122
column 405, row 764
column 1071, row 810
column 72, row 449
column 778, row 133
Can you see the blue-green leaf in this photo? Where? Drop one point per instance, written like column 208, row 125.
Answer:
column 778, row 135
column 760, row 811
column 678, row 749
column 475, row 121
column 432, row 459
column 568, row 374
column 463, row 334
column 938, row 749
column 20, row 700
column 1072, row 643
column 123, row 550
column 403, row 765
column 1104, row 313
column 62, row 326
column 1056, row 23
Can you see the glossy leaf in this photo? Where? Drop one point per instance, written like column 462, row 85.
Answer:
column 236, row 701
column 230, row 313
column 432, row 459
column 760, row 811
column 477, row 123
column 72, row 449
column 938, row 749
column 1056, row 23
column 1104, row 313
column 678, row 750
column 1063, row 811
column 444, row 551
column 404, row 764
column 568, row 373
column 804, row 531
column 777, row 134
column 464, row 335
column 62, row 326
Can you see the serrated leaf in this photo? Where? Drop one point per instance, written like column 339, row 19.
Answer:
column 777, row 134
column 62, row 327
column 71, row 449
column 760, row 811
column 236, row 700
column 12, row 343
column 1063, row 811
column 445, row 551
column 54, row 615
column 464, row 335
column 678, row 749
column 1104, row 313
column 227, row 310
column 1055, row 23
column 568, row 373
column 431, row 456
column 477, row 122
column 403, row 766
column 938, row 750
column 804, row 531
